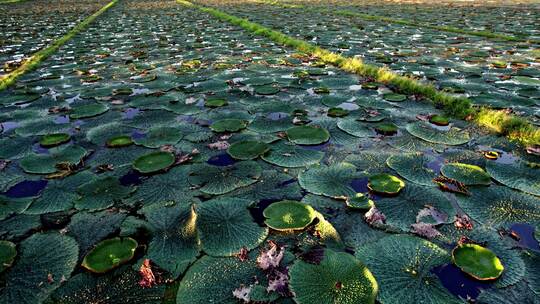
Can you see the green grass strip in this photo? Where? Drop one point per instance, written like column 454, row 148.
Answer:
column 450, row 29
column 516, row 128
column 11, row 1
column 43, row 54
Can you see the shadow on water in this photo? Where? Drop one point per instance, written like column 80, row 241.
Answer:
column 459, row 283
column 27, row 188
column 257, row 210
column 132, row 178
column 526, row 236
column 221, row 160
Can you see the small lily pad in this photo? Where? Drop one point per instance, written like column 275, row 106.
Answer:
column 119, row 141
column 439, row 120
column 360, row 201
column 245, row 150
column 8, row 252
column 288, row 215
column 385, row 184
column 154, row 162
column 394, row 97
column 308, row 135
column 215, row 103
column 110, row 254
column 228, row 125
column 477, row 261
column 337, row 112
column 386, row 128
column 55, row 139
column 266, row 90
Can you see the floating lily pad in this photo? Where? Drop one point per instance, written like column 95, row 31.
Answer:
column 110, row 254
column 245, row 150
column 220, row 180
column 101, row 193
column 174, row 235
column 46, row 163
column 385, row 184
column 153, row 162
column 119, row 141
column 500, row 207
column 333, row 181
column 51, row 140
column 516, row 175
column 8, row 252
column 215, row 103
column 228, row 125
column 159, row 136
column 402, row 263
column 452, row 137
column 291, row 156
column 360, row 201
column 477, row 261
column 288, row 215
column 338, row 278
column 213, row 280
column 394, row 97
column 413, row 167
column 337, row 112
column 354, row 127
column 308, row 135
column 386, row 128
column 439, row 120
column 466, row 174
column 266, row 90
column 88, row 110
column 9, row 206
column 225, row 226
column 47, row 255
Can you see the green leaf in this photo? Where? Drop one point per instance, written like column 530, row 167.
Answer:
column 88, row 110
column 9, row 206
column 467, row 174
column 308, row 135
column 413, row 167
column 109, row 254
column 225, row 227
column 55, row 139
column 173, row 246
column 46, row 163
column 288, row 215
column 245, row 150
column 339, row 278
column 291, row 156
column 402, row 265
column 516, row 175
column 101, row 193
column 333, row 181
column 451, row 137
column 220, row 180
column 154, row 162
column 385, row 184
column 477, row 261
column 159, row 136
column 228, row 125
column 42, row 256
column 8, row 252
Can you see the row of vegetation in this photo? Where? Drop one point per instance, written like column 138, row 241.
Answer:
column 369, row 17
column 515, row 128
column 43, row 54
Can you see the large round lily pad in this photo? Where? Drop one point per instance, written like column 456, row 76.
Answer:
column 516, row 175
column 101, row 193
column 46, row 163
column 402, row 265
column 288, row 215
column 467, row 174
column 55, row 139
column 220, row 180
column 159, row 136
column 225, row 226
column 338, row 278
column 394, row 97
column 88, row 110
column 477, row 261
column 413, row 167
column 248, row 149
column 452, row 137
column 153, row 162
column 333, row 181
column 110, row 254
column 228, row 125
column 289, row 155
column 119, row 141
column 501, row 207
column 385, row 184
column 308, row 135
